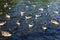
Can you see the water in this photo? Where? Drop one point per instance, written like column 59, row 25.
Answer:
column 23, row 32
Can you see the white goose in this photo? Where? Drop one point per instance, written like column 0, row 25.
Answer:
column 54, row 22
column 28, row 17
column 22, row 13
column 56, row 12
column 1, row 13
column 7, row 16
column 18, row 23
column 36, row 16
column 48, row 5
column 41, row 9
column 5, row 5
column 2, row 23
column 31, row 25
column 5, row 34
column 34, row 5
column 44, row 28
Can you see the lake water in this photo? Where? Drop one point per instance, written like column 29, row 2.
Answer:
column 43, row 28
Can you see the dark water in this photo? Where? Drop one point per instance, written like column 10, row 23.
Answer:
column 23, row 32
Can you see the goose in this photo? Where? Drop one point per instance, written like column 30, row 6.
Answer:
column 31, row 25
column 5, row 5
column 54, row 22
column 28, row 17
column 36, row 16
column 7, row 16
column 41, row 9
column 56, row 12
column 18, row 22
column 34, row 5
column 2, row 23
column 1, row 13
column 44, row 28
column 48, row 5
column 27, row 6
column 47, row 14
column 29, row 1
column 5, row 34
column 22, row 13
column 9, row 8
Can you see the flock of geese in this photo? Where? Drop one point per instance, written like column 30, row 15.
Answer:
column 7, row 34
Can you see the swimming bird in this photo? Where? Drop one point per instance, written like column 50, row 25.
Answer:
column 2, row 23
column 31, row 25
column 18, row 22
column 41, row 9
column 22, row 13
column 7, row 16
column 5, row 34
column 54, row 22
column 28, row 17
